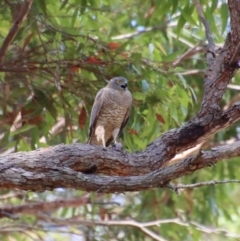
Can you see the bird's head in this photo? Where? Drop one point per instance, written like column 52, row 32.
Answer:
column 119, row 83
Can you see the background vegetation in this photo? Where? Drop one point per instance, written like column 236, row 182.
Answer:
column 62, row 54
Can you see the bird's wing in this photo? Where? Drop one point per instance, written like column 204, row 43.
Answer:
column 127, row 114
column 95, row 112
column 126, row 118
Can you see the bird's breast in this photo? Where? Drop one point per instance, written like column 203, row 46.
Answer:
column 114, row 108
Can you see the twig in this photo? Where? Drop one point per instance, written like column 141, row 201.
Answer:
column 233, row 87
column 190, row 52
column 142, row 226
column 14, row 69
column 146, row 30
column 56, row 129
column 211, row 47
column 200, row 184
column 15, row 28
column 33, row 208
column 17, row 194
column 192, row 72
column 212, row 230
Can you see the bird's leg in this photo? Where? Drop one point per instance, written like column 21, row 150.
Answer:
column 116, row 145
column 115, row 135
column 103, row 141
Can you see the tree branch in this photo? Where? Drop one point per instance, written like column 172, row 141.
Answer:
column 211, row 46
column 132, row 223
column 33, row 208
column 45, row 169
column 15, row 28
column 219, row 74
column 61, row 166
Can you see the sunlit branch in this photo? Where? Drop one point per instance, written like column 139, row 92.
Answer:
column 233, row 87
column 193, row 72
column 212, row 230
column 145, row 30
column 132, row 223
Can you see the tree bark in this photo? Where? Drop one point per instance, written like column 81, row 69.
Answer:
column 65, row 165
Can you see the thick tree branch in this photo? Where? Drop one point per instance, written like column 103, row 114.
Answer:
column 45, row 169
column 219, row 73
column 61, row 166
column 15, row 28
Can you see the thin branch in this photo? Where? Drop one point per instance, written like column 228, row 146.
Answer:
column 15, row 28
column 146, row 30
column 201, row 184
column 190, row 52
column 14, row 69
column 33, row 208
column 233, row 87
column 142, row 226
column 17, row 194
column 192, row 72
column 212, row 230
column 132, row 223
column 211, row 46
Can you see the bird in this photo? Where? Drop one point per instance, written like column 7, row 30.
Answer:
column 110, row 112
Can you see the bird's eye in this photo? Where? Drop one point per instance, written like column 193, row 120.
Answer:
column 119, row 81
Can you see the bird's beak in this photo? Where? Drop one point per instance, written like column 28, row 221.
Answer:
column 124, row 86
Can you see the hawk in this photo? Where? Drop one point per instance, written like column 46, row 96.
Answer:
column 110, row 112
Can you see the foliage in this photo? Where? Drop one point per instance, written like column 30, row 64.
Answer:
column 62, row 54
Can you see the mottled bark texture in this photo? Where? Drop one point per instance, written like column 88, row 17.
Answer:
column 66, row 165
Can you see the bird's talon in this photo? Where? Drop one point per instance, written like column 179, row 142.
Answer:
column 117, row 146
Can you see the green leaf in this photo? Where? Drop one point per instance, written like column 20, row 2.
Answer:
column 224, row 16
column 214, row 5
column 42, row 5
column 187, row 14
column 83, row 6
column 180, row 24
column 171, row 57
column 174, row 6
column 65, row 2
column 21, row 130
column 193, row 94
column 139, row 96
column 74, row 17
